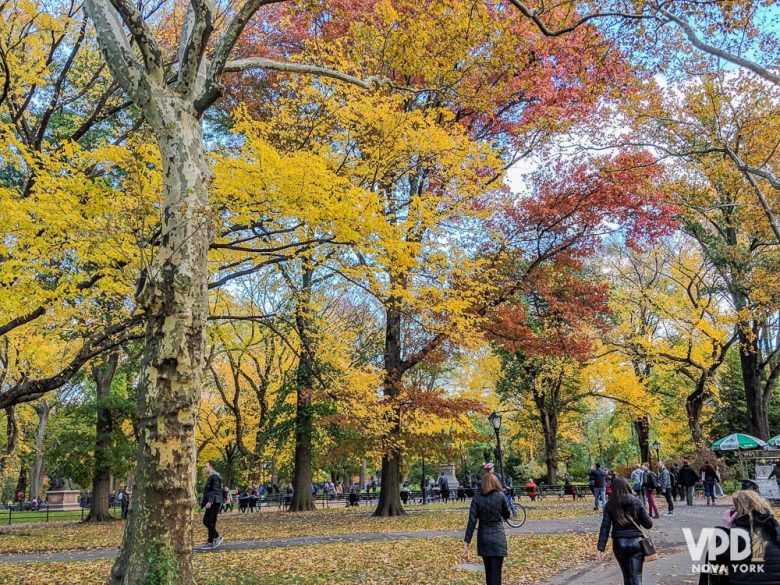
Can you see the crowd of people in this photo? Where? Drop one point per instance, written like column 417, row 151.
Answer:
column 629, row 509
column 675, row 483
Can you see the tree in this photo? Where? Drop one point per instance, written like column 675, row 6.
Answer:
column 103, row 375
column 552, row 387
column 553, row 310
column 669, row 318
column 172, row 292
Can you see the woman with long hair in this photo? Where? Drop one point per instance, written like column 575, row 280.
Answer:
column 753, row 514
column 623, row 515
column 489, row 510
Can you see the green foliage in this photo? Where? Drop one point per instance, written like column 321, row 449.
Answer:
column 70, row 441
column 163, row 564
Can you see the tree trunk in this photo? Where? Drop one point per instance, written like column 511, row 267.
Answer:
column 550, row 431
column 302, row 500
column 12, row 438
column 157, row 544
column 302, row 497
column 693, row 407
column 757, row 402
column 101, row 482
column 22, row 482
column 42, row 408
column 390, row 494
column 642, row 427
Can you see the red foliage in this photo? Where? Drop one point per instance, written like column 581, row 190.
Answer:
column 550, row 305
column 558, row 312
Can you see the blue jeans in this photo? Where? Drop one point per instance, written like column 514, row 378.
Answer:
column 599, row 493
column 709, row 489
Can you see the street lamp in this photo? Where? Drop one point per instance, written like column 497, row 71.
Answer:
column 422, row 481
column 495, row 422
column 657, row 447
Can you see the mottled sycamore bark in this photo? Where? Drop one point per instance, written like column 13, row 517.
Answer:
column 174, row 297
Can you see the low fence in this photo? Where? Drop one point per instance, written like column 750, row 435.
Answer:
column 17, row 514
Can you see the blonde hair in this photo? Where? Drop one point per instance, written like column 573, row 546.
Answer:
column 747, row 501
column 490, row 484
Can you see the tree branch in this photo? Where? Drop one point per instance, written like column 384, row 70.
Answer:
column 369, row 83
column 114, row 45
column 213, row 84
column 697, row 42
column 198, row 26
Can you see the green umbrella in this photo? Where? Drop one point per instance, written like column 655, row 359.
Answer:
column 738, row 442
column 774, row 441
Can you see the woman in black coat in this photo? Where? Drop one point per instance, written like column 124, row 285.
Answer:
column 489, row 509
column 622, row 515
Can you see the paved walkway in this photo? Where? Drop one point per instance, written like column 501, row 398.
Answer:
column 674, row 564
column 557, row 526
column 671, row 569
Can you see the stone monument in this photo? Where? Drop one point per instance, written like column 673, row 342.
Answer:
column 60, row 496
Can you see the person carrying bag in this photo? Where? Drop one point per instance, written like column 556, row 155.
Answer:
column 624, row 517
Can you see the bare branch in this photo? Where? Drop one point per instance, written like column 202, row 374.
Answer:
column 143, row 36
column 114, row 45
column 697, row 42
column 198, row 26
column 369, row 83
column 535, row 17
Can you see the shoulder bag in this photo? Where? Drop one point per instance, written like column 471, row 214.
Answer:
column 646, row 544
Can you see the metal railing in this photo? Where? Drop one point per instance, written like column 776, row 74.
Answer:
column 17, row 514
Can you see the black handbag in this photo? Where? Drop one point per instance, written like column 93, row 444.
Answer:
column 646, row 544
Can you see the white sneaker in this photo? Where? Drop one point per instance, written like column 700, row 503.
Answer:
column 668, row 513
column 203, row 546
column 217, row 542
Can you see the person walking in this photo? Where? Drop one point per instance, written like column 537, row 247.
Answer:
column 599, row 486
column 487, row 513
column 665, row 485
column 650, row 482
column 709, row 477
column 212, row 500
column 687, row 478
column 636, row 482
column 673, row 470
column 623, row 515
column 124, row 502
column 227, row 499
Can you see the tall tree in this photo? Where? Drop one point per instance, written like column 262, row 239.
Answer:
column 103, row 374
column 173, row 289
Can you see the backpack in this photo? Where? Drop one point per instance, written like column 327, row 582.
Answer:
column 651, row 481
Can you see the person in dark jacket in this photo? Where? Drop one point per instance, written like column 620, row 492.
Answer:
column 622, row 515
column 597, row 477
column 753, row 514
column 488, row 510
column 444, row 487
column 212, row 500
column 687, row 478
column 709, row 477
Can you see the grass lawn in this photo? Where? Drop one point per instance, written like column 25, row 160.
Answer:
column 268, row 525
column 433, row 562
